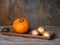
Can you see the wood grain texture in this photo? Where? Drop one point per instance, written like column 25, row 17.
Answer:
column 24, row 35
column 29, row 35
column 12, row 40
column 38, row 12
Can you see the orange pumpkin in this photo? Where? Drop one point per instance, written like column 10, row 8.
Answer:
column 21, row 25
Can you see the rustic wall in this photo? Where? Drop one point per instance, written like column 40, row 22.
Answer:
column 54, row 10
column 38, row 12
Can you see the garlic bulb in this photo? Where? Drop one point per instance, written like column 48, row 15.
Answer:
column 46, row 33
column 41, row 29
column 34, row 32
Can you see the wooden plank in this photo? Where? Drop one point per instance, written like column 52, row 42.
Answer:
column 26, row 35
column 10, row 32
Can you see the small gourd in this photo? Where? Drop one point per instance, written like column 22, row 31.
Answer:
column 21, row 25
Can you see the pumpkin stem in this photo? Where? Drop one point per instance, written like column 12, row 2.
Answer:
column 21, row 20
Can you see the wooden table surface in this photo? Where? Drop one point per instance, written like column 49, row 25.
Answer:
column 12, row 40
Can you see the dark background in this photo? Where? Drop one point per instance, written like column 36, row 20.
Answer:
column 38, row 12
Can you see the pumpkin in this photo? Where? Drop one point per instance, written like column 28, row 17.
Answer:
column 21, row 25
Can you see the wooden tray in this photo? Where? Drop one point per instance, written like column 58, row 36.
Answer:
column 12, row 33
column 26, row 35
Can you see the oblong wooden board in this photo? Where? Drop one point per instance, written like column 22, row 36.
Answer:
column 26, row 35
